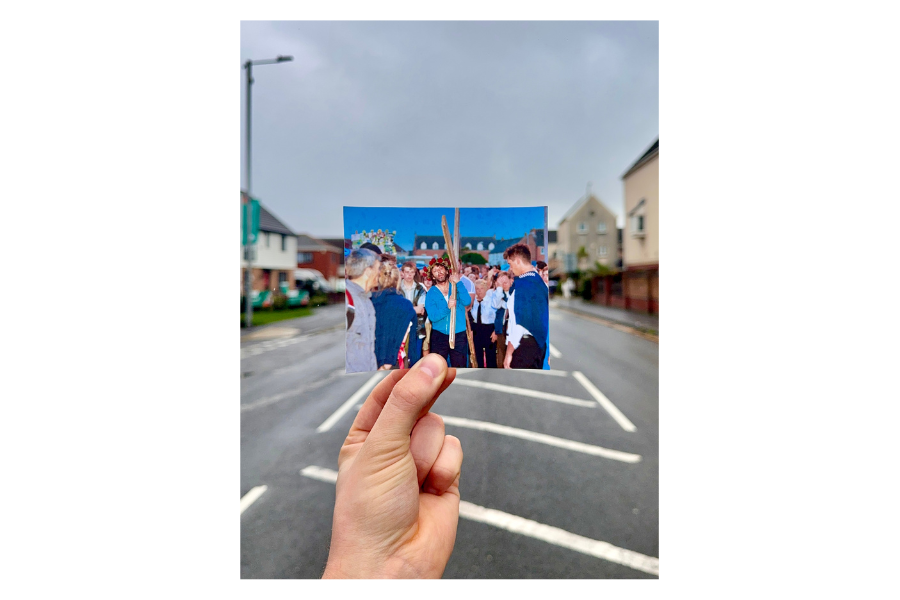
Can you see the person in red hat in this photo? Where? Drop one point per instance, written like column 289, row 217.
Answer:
column 439, row 304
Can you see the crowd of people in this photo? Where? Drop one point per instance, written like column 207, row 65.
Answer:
column 398, row 314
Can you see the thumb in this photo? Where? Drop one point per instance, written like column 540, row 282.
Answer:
column 410, row 399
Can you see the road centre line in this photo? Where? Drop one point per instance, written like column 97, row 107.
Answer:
column 497, row 387
column 614, row 412
column 553, row 351
column 555, row 373
column 533, row 529
column 252, row 496
column 543, row 438
column 346, row 406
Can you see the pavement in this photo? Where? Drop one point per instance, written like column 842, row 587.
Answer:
column 561, row 471
column 630, row 318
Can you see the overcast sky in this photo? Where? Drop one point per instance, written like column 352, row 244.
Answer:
column 446, row 114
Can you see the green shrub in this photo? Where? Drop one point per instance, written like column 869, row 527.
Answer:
column 473, row 258
column 279, row 302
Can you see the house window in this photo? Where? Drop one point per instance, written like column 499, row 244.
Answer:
column 601, row 227
column 282, row 278
column 434, row 246
column 601, row 251
column 469, row 245
column 480, row 246
column 582, row 227
column 491, row 246
column 424, row 246
column 304, row 257
column 637, row 224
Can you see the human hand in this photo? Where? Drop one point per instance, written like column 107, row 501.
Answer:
column 493, row 337
column 419, row 309
column 451, row 303
column 454, row 277
column 397, row 503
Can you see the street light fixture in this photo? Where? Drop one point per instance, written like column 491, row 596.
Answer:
column 248, row 249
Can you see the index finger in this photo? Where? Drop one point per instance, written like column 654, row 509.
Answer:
column 374, row 404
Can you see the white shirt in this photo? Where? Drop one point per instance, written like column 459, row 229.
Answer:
column 515, row 331
column 410, row 294
column 467, row 283
column 488, row 312
column 497, row 301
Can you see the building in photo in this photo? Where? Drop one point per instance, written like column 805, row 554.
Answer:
column 586, row 234
column 640, row 244
column 276, row 254
column 434, row 245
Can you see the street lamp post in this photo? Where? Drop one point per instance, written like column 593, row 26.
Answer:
column 248, row 247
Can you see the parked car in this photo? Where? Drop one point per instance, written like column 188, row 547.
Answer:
column 295, row 298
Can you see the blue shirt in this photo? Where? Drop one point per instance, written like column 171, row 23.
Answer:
column 439, row 312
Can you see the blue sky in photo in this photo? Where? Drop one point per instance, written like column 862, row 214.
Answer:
column 504, row 223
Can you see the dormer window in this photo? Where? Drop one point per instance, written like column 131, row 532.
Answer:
column 491, row 246
column 434, row 246
column 480, row 246
column 423, row 246
column 469, row 246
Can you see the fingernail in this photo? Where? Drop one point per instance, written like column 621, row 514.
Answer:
column 429, row 365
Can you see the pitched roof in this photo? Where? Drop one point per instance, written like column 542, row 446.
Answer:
column 336, row 242
column 307, row 243
column 652, row 151
column 501, row 245
column 581, row 202
column 269, row 222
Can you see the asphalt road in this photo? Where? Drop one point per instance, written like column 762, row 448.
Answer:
column 558, row 509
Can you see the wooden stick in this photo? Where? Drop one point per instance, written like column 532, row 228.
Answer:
column 449, row 245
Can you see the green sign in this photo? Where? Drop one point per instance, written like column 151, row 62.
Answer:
column 250, row 209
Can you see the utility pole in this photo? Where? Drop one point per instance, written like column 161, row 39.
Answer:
column 249, row 245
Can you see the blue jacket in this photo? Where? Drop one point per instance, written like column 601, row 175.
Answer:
column 500, row 303
column 393, row 312
column 532, row 306
column 439, row 312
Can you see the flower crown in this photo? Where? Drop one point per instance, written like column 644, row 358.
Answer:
column 438, row 262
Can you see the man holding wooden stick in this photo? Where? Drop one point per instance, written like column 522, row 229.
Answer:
column 445, row 303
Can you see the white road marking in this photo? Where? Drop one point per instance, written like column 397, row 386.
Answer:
column 356, row 397
column 295, row 392
column 497, row 387
column 252, row 496
column 314, row 472
column 559, row 537
column 614, row 412
column 533, row 529
column 554, row 352
column 270, row 400
column 553, row 372
column 543, row 439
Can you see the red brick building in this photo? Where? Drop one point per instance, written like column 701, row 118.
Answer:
column 313, row 253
